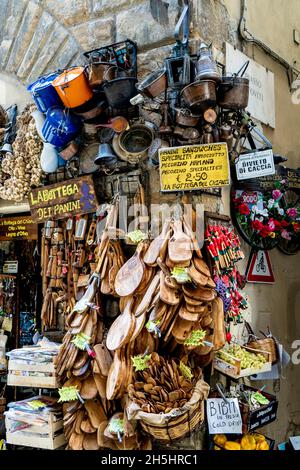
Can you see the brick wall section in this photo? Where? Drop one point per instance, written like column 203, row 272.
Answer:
column 37, row 36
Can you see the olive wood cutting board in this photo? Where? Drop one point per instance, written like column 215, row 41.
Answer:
column 153, row 251
column 121, row 330
column 131, row 274
column 179, row 246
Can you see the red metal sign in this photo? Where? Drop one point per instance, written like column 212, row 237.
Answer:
column 260, row 268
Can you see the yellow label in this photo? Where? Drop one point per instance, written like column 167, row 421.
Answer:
column 194, row 167
column 7, row 324
column 36, row 404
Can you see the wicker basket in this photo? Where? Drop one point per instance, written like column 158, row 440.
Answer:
column 180, row 422
column 267, row 343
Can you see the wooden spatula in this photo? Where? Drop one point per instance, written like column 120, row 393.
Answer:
column 130, row 275
column 155, row 246
column 180, row 247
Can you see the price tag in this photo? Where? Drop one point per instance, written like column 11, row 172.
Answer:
column 36, row 404
column 224, row 417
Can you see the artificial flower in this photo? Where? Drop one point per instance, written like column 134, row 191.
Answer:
column 280, row 210
column 256, row 225
column 271, row 224
column 244, row 209
column 276, row 194
column 296, row 227
column 277, row 224
column 262, row 212
column 265, row 231
column 292, row 212
column 271, row 203
column 272, row 234
column 285, row 234
column 284, row 224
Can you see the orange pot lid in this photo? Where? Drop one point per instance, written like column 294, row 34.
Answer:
column 68, row 76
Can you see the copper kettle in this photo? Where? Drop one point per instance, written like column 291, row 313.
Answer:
column 206, row 67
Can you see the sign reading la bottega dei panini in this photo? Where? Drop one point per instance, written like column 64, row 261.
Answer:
column 194, row 167
column 18, row 228
column 65, row 199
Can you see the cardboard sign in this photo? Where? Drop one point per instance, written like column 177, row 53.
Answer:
column 7, row 324
column 254, row 165
column 194, row 167
column 10, row 267
column 260, row 268
column 18, row 228
column 60, row 200
column 224, row 417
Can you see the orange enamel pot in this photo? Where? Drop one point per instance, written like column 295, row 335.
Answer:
column 73, row 87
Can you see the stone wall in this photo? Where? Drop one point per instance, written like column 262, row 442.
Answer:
column 38, row 36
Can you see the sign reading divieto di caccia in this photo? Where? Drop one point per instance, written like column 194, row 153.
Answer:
column 194, row 167
column 64, row 199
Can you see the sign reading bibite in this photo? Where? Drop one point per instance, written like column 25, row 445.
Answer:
column 65, row 199
column 194, row 167
column 223, row 417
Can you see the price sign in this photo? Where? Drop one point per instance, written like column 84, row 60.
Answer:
column 254, row 165
column 194, row 167
column 224, row 417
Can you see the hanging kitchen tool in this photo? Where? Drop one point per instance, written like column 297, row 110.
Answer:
column 99, row 72
column 43, row 93
column 72, row 87
column 117, row 124
column 119, row 91
column 233, row 92
column 184, row 117
column 200, row 95
column 154, row 84
column 60, row 126
column 206, row 67
column 105, row 155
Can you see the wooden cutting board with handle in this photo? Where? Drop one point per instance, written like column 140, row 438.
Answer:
column 180, row 246
column 121, row 330
column 103, row 358
column 198, row 308
column 169, row 280
column 167, row 294
column 76, row 441
column 197, row 277
column 199, row 293
column 182, row 329
column 146, row 300
column 184, row 314
column 131, row 274
column 202, row 267
column 114, row 378
column 153, row 251
column 95, row 412
column 100, row 384
column 90, row 442
column 89, row 390
column 217, row 313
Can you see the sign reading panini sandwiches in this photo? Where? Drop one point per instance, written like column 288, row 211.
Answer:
column 194, row 167
column 64, row 199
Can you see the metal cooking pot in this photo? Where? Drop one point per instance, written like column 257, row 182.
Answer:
column 233, row 93
column 119, row 91
column 101, row 71
column 200, row 95
column 43, row 93
column 184, row 117
column 154, row 84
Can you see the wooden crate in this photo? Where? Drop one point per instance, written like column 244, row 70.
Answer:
column 234, row 370
column 19, row 377
column 49, row 436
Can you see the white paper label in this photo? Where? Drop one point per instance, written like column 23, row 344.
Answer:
column 223, row 417
column 254, row 165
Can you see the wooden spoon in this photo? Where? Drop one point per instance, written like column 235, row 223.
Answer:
column 180, row 247
column 153, row 251
column 130, row 275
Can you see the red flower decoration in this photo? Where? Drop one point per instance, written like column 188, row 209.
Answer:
column 244, row 209
column 284, row 224
column 256, row 225
column 265, row 231
column 277, row 224
column 296, row 227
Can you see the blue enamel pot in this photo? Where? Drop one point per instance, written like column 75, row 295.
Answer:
column 61, row 126
column 43, row 93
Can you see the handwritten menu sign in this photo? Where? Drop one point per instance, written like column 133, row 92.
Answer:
column 18, row 228
column 224, row 417
column 192, row 167
column 65, row 199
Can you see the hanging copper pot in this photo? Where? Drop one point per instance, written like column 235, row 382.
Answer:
column 200, row 95
column 185, row 117
column 233, row 93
